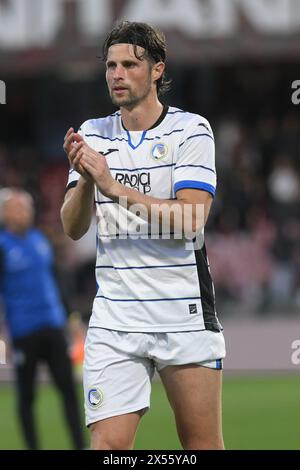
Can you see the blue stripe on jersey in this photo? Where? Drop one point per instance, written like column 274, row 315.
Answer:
column 172, row 132
column 194, row 185
column 157, row 167
column 163, row 135
column 195, row 166
column 113, row 202
column 129, row 141
column 149, row 267
column 105, row 202
column 219, row 364
column 146, row 300
column 136, row 235
column 107, row 138
column 196, row 135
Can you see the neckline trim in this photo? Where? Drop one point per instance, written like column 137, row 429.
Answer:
column 161, row 117
column 140, row 142
column 157, row 122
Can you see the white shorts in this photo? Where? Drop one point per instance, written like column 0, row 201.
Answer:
column 119, row 366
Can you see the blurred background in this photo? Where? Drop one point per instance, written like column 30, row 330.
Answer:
column 236, row 62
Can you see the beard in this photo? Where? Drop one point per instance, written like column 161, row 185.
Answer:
column 131, row 99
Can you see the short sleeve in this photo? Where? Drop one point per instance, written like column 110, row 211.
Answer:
column 195, row 163
column 73, row 174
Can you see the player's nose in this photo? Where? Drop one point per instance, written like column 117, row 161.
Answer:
column 119, row 72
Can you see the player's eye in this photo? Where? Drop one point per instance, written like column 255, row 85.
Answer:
column 130, row 65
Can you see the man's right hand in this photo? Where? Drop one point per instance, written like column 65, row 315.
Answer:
column 72, row 143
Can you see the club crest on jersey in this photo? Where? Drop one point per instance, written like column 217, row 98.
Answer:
column 159, row 151
column 95, row 397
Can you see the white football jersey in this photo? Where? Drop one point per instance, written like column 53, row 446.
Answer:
column 151, row 284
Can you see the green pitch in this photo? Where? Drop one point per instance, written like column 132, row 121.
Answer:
column 258, row 413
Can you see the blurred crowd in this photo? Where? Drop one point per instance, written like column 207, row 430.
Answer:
column 254, row 240
column 253, row 233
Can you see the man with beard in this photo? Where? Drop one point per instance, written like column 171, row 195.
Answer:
column 154, row 308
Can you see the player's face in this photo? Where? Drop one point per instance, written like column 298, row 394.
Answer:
column 129, row 79
column 18, row 213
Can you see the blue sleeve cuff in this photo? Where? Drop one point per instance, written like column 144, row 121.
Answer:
column 195, row 185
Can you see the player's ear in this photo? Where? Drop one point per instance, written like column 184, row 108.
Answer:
column 157, row 71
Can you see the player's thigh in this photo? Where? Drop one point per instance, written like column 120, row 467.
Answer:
column 194, row 393
column 117, row 387
column 115, row 433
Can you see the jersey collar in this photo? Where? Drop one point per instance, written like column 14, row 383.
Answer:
column 157, row 122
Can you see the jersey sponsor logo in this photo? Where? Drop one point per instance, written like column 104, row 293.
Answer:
column 139, row 181
column 159, row 151
column 95, row 397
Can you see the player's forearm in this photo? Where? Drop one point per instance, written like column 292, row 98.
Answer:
column 179, row 215
column 76, row 212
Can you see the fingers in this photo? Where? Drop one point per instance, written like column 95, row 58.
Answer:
column 75, row 150
column 79, row 166
column 87, row 167
column 77, row 137
column 82, row 157
column 76, row 160
column 87, row 158
column 69, row 138
column 68, row 133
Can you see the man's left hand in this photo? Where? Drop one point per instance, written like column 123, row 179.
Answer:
column 96, row 165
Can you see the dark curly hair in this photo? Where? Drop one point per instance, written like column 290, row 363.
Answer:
column 143, row 35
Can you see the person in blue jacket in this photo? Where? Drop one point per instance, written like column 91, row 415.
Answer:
column 34, row 313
